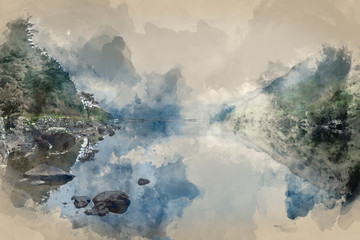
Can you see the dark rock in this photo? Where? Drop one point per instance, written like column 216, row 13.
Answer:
column 100, row 138
column 81, row 201
column 143, row 181
column 59, row 138
column 48, row 174
column 96, row 211
column 101, row 130
column 109, row 201
column 42, row 144
column 111, row 132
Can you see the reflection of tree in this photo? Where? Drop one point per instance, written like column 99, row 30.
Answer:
column 11, row 102
column 89, row 102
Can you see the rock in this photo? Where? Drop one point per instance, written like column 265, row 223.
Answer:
column 42, row 144
column 48, row 173
column 101, row 130
column 111, row 132
column 109, row 201
column 100, row 138
column 79, row 124
column 96, row 211
column 59, row 138
column 81, row 201
column 143, row 181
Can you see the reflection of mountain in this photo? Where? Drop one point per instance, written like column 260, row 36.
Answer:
column 307, row 120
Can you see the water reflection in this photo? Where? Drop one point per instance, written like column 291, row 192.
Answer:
column 152, row 207
column 205, row 183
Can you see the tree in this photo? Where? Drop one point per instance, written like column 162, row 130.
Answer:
column 88, row 101
column 11, row 102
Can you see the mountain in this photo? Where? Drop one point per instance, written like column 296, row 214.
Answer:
column 308, row 120
column 34, row 83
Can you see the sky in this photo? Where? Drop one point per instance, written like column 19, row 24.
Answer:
column 222, row 47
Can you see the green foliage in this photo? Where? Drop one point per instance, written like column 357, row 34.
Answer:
column 44, row 85
column 11, row 100
column 293, row 96
column 322, row 102
column 98, row 114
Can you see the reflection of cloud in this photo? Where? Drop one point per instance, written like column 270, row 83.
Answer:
column 152, row 207
column 302, row 197
column 231, row 177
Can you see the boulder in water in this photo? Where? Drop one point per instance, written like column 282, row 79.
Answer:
column 81, row 201
column 109, row 201
column 143, row 181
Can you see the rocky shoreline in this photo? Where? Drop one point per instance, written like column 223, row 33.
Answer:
column 44, row 145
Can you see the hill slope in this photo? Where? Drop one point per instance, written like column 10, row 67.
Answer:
column 34, row 83
column 308, row 120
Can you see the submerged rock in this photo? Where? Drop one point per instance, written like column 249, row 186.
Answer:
column 143, row 181
column 49, row 174
column 109, row 201
column 81, row 201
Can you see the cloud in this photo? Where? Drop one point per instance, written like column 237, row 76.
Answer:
column 287, row 32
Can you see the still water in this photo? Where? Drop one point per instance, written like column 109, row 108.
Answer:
column 205, row 183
